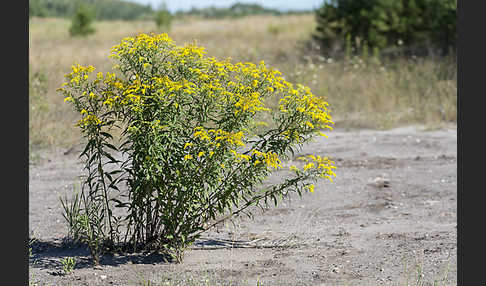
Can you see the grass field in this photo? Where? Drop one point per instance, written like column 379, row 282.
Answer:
column 378, row 95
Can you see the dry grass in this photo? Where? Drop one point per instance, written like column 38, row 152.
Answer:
column 375, row 96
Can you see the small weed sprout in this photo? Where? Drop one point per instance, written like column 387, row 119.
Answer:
column 31, row 241
column 68, row 264
column 31, row 255
column 72, row 215
column 84, row 224
column 194, row 151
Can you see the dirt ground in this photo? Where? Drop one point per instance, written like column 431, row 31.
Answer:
column 389, row 218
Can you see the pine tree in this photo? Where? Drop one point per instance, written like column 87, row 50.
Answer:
column 330, row 27
column 404, row 24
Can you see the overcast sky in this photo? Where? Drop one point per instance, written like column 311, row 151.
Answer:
column 175, row 5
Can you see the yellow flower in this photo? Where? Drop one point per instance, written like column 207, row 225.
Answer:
column 308, row 166
column 188, row 145
column 311, row 188
column 187, row 157
column 322, row 134
column 309, row 124
column 246, row 157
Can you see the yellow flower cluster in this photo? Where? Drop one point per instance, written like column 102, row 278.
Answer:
column 212, row 135
column 252, row 103
column 167, row 87
column 305, row 102
column 189, row 52
column 88, row 119
column 243, row 85
column 235, row 139
column 187, row 157
column 323, row 164
column 131, row 45
column 240, row 157
column 79, row 73
column 270, row 158
column 310, row 188
column 294, row 134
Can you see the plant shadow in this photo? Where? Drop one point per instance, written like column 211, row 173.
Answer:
column 202, row 243
column 48, row 255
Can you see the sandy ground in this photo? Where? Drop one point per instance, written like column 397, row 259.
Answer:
column 389, row 217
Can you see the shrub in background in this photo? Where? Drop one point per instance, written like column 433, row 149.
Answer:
column 194, row 152
column 163, row 18
column 81, row 24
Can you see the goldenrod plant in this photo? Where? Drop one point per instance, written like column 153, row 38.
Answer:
column 194, row 152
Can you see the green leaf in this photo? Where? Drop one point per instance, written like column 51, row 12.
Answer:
column 87, row 148
column 112, row 159
column 106, row 134
column 110, row 146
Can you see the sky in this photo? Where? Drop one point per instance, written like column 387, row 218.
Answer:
column 177, row 5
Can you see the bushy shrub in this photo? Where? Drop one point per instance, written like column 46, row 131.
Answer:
column 194, row 152
column 163, row 19
column 81, row 24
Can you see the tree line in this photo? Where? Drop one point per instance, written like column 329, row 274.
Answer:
column 119, row 9
column 102, row 9
column 236, row 10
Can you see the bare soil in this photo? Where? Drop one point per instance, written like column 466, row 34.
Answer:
column 389, row 217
